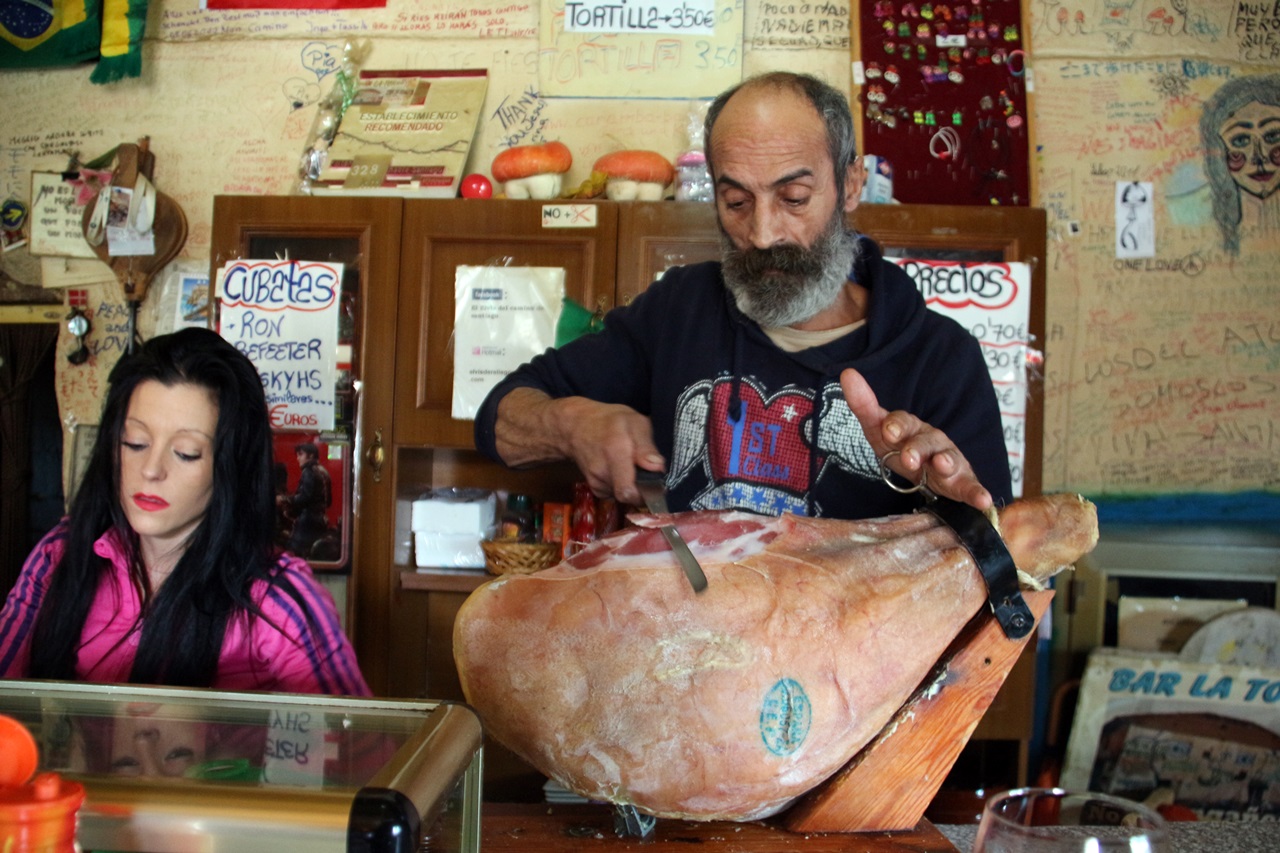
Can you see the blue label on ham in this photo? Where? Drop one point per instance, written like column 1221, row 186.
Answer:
column 785, row 715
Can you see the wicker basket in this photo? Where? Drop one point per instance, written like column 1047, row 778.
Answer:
column 519, row 558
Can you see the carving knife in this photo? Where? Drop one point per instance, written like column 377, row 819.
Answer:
column 654, row 491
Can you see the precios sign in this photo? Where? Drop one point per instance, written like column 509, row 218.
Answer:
column 955, row 285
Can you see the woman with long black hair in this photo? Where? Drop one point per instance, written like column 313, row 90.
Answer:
column 165, row 569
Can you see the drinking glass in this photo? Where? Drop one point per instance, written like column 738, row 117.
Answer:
column 1052, row 820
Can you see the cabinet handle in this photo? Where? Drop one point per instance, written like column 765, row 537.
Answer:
column 377, row 455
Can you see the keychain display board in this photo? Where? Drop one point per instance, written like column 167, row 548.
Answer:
column 944, row 100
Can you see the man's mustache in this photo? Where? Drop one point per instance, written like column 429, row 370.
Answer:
column 785, row 258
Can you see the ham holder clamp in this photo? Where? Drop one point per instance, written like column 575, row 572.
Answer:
column 981, row 539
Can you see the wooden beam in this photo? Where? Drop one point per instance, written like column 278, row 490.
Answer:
column 32, row 313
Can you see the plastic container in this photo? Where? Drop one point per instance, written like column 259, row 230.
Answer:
column 37, row 816
column 693, row 179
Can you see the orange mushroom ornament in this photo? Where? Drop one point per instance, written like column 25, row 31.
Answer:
column 532, row 171
column 636, row 175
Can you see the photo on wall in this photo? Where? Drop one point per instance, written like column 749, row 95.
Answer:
column 313, row 488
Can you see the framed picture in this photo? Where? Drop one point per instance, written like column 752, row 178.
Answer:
column 1202, row 735
column 313, row 497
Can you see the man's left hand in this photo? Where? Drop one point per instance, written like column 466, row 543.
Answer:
column 920, row 446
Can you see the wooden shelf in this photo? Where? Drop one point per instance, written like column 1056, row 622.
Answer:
column 443, row 580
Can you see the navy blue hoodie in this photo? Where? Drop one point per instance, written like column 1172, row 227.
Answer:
column 734, row 415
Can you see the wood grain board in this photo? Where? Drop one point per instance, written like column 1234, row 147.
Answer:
column 530, row 828
column 891, row 781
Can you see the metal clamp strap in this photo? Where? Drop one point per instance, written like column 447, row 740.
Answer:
column 994, row 561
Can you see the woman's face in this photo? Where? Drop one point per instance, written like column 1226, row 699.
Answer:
column 145, row 743
column 1252, row 137
column 166, row 462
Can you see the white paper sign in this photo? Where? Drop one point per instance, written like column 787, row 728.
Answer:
column 284, row 316
column 685, row 17
column 55, row 218
column 503, row 317
column 1135, row 220
column 992, row 301
column 295, row 749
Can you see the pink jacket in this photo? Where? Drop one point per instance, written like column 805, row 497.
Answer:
column 256, row 653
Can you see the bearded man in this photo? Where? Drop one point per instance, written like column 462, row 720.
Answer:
column 777, row 379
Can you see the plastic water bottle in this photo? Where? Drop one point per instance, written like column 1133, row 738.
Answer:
column 693, row 179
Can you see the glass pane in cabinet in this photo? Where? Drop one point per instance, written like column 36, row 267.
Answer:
column 314, row 492
column 340, row 250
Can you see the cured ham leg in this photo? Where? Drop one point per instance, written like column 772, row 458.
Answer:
column 610, row 675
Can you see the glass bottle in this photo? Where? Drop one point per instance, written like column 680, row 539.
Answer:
column 517, row 521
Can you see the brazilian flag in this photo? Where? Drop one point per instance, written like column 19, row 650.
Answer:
column 123, row 22
column 35, row 33
column 49, row 32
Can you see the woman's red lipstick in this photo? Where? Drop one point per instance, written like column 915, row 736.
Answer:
column 149, row 503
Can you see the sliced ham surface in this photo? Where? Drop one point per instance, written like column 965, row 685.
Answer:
column 611, row 676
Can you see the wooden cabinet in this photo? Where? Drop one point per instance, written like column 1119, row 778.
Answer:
column 404, row 253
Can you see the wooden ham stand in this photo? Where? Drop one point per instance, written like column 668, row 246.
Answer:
column 891, row 781
column 881, row 794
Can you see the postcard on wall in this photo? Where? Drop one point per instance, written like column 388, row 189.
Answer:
column 192, row 307
column 503, row 316
column 406, row 133
column 284, row 316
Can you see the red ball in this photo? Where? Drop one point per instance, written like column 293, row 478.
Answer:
column 476, row 186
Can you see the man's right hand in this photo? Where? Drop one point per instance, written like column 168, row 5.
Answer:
column 607, row 441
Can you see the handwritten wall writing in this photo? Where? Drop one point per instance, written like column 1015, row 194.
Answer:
column 183, row 20
column 521, row 118
column 1085, row 27
column 802, row 25
column 1256, row 30
column 1163, row 371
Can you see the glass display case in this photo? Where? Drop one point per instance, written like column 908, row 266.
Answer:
column 169, row 769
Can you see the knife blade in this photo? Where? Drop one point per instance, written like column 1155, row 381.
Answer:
column 653, row 489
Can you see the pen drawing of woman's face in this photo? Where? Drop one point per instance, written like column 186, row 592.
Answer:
column 1252, row 138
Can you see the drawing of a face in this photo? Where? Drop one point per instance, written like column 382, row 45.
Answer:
column 1252, row 137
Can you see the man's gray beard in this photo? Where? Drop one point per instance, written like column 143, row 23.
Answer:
column 789, row 284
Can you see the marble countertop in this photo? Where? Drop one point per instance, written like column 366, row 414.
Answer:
column 1197, row 837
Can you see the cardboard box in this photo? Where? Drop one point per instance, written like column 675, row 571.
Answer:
column 555, row 525
column 448, row 550
column 1147, row 624
column 403, row 550
column 471, row 511
column 1205, row 736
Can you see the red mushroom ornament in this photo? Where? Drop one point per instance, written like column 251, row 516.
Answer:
column 532, row 171
column 636, row 175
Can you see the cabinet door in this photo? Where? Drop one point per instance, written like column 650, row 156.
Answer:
column 440, row 236
column 654, row 236
column 364, row 235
